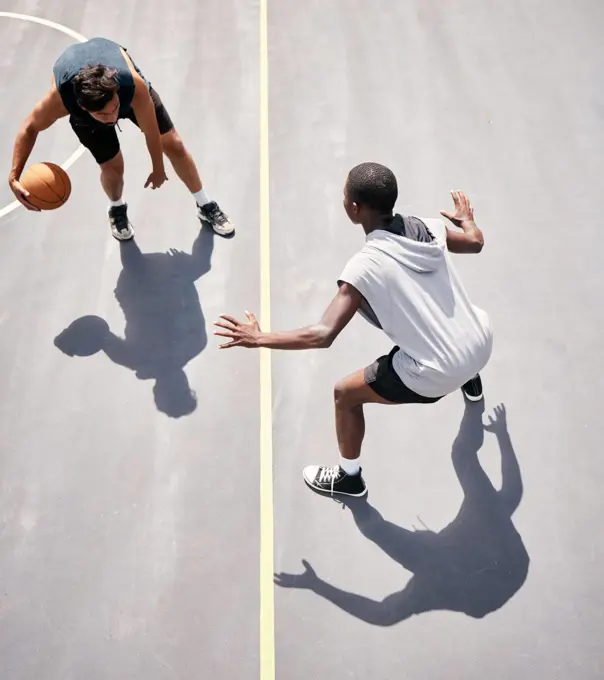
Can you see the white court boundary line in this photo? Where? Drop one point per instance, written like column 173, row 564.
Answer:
column 72, row 34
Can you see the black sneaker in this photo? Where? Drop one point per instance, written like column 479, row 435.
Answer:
column 121, row 228
column 213, row 215
column 334, row 480
column 473, row 389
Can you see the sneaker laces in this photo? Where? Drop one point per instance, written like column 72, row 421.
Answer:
column 330, row 475
column 214, row 211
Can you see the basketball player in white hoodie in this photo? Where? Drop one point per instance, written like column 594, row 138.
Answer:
column 404, row 282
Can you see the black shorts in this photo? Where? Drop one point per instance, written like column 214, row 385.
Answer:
column 101, row 140
column 384, row 381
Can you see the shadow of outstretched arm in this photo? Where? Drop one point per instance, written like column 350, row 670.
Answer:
column 89, row 335
column 511, row 490
column 387, row 612
column 474, row 565
column 120, row 352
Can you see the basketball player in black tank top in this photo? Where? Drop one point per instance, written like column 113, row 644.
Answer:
column 96, row 83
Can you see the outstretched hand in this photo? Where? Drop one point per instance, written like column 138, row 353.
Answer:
column 307, row 579
column 463, row 209
column 240, row 334
column 498, row 421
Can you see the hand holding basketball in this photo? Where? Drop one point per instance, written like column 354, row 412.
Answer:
column 43, row 186
column 21, row 194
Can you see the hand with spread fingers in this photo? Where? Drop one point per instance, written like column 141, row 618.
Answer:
column 498, row 421
column 241, row 334
column 463, row 209
column 308, row 579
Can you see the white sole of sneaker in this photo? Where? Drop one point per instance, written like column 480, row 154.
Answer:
column 218, row 230
column 121, row 237
column 469, row 398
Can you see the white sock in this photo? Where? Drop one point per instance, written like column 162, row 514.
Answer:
column 201, row 197
column 114, row 204
column 350, row 467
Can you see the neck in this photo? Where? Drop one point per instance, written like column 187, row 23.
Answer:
column 376, row 221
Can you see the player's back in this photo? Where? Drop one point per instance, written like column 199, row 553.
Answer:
column 415, row 292
column 91, row 53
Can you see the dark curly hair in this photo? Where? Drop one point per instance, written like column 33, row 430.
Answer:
column 94, row 86
column 374, row 186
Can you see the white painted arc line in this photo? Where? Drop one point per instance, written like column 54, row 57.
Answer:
column 65, row 165
column 72, row 34
column 46, row 22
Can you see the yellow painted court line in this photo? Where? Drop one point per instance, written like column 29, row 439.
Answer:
column 267, row 606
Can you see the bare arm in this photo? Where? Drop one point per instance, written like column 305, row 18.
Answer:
column 470, row 239
column 144, row 110
column 44, row 114
column 316, row 336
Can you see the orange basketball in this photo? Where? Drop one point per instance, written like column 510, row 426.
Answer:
column 48, row 184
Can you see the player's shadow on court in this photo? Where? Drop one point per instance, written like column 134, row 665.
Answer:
column 473, row 566
column 165, row 326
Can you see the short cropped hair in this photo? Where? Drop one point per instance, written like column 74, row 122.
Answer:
column 374, row 186
column 94, row 86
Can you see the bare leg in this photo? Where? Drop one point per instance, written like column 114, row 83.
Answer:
column 184, row 166
column 182, row 161
column 349, row 396
column 112, row 180
column 112, row 177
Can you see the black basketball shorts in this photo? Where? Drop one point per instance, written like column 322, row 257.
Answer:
column 385, row 382
column 102, row 141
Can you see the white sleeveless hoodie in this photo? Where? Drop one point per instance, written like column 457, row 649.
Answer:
column 418, row 300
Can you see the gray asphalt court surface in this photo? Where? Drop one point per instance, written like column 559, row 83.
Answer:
column 130, row 450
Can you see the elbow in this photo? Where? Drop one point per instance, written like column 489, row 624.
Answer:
column 323, row 337
column 326, row 342
column 29, row 125
column 476, row 246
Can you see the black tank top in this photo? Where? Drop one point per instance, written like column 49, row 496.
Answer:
column 409, row 227
column 92, row 52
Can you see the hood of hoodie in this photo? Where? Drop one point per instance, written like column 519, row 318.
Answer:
column 416, row 255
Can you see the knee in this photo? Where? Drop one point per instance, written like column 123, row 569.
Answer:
column 173, row 146
column 342, row 396
column 114, row 167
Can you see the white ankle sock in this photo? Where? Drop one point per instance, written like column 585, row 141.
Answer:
column 350, row 467
column 201, row 197
column 114, row 204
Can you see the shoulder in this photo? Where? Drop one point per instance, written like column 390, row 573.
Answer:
column 67, row 52
column 360, row 258
column 436, row 227
column 54, row 99
column 358, row 266
column 137, row 80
